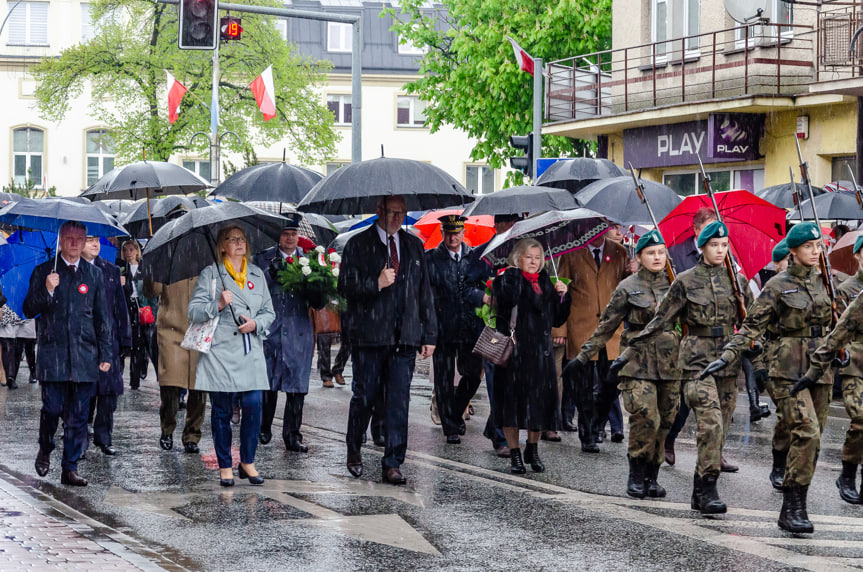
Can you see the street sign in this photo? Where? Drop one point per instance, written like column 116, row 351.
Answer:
column 543, row 164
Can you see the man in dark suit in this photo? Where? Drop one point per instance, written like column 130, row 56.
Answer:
column 74, row 328
column 390, row 317
column 110, row 383
column 457, row 277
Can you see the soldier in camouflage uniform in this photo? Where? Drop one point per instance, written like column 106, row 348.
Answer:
column 702, row 299
column 798, row 303
column 847, row 334
column 650, row 382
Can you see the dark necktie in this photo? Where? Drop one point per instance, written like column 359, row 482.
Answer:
column 394, row 256
column 596, row 257
column 456, row 257
column 72, row 268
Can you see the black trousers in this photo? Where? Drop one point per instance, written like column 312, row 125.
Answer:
column 451, row 400
column 292, row 419
column 592, row 397
column 68, row 401
column 12, row 349
column 102, row 408
column 325, row 342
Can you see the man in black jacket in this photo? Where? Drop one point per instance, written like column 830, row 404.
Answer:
column 390, row 317
column 457, row 277
column 74, row 346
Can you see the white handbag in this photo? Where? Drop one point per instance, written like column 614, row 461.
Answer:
column 199, row 335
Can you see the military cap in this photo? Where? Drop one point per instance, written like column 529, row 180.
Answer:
column 507, row 218
column 652, row 238
column 802, row 232
column 780, row 251
column 713, row 230
column 452, row 223
column 292, row 220
column 857, row 244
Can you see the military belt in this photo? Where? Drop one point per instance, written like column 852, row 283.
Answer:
column 808, row 332
column 634, row 328
column 711, row 332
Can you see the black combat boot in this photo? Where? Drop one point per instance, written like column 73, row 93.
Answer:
column 516, row 465
column 704, row 496
column 777, row 473
column 847, row 483
column 652, row 488
column 635, row 485
column 531, row 456
column 793, row 516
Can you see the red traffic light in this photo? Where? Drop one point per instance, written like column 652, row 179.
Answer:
column 231, row 28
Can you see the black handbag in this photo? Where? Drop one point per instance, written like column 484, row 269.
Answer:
column 496, row 347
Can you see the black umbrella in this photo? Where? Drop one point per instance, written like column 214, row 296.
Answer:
column 520, row 200
column 275, row 182
column 841, row 205
column 116, row 207
column 356, row 188
column 783, row 195
column 339, row 242
column 575, row 174
column 617, row 199
column 8, row 198
column 185, row 246
column 137, row 221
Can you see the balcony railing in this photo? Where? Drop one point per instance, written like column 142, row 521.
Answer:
column 836, row 27
column 759, row 59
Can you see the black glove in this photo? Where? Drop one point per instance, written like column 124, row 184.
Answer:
column 803, row 383
column 713, row 367
column 615, row 368
column 760, row 379
column 753, row 351
column 573, row 368
column 842, row 358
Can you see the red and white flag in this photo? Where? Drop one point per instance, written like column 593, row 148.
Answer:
column 525, row 61
column 265, row 93
column 176, row 91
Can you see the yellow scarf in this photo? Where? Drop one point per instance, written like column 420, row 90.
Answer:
column 239, row 277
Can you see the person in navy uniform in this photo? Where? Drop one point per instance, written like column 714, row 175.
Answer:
column 390, row 318
column 74, row 326
column 290, row 344
column 110, row 383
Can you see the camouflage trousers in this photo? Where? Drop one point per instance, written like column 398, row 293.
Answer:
column 652, row 407
column 712, row 400
column 781, row 435
column 852, row 394
column 805, row 415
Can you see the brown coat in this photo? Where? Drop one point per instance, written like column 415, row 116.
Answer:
column 591, row 291
column 176, row 365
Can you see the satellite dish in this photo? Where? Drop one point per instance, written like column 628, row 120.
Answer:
column 747, row 11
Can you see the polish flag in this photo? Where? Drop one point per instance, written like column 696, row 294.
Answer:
column 525, row 62
column 176, row 91
column 265, row 93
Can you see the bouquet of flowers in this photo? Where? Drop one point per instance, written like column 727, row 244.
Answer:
column 319, row 273
column 486, row 311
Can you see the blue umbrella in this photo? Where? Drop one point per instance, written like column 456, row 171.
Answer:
column 409, row 219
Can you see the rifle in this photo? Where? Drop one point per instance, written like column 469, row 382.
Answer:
column 729, row 266
column 823, row 261
column 858, row 194
column 798, row 198
column 639, row 188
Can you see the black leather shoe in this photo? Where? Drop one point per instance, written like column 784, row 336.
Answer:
column 191, row 448
column 33, row 379
column 226, row 482
column 166, row 442
column 12, row 384
column 43, row 464
column 792, row 516
column 589, row 448
column 531, row 457
column 393, row 476
column 705, row 498
column 635, row 485
column 296, row 447
column 727, row 467
column 107, row 449
column 617, row 437
column 516, row 464
column 256, row 480
column 265, row 438
column 551, row 436
column 379, row 440
column 847, row 483
column 462, row 429
column 453, row 440
column 569, row 427
column 134, row 385
column 72, row 478
column 355, row 464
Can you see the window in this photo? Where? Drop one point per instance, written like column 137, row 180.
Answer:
column 410, row 111
column 340, row 105
column 27, row 149
column 339, row 37
column 88, row 31
column 672, row 19
column 100, row 154
column 333, row 167
column 778, row 12
column 839, row 168
column 407, row 48
column 686, row 184
column 479, row 179
column 201, row 168
column 28, row 24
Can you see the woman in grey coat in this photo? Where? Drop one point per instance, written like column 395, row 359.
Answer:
column 235, row 363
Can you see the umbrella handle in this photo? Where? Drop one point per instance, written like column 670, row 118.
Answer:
column 56, row 252
column 222, row 278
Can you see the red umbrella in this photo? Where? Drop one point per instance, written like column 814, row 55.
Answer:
column 841, row 257
column 478, row 229
column 754, row 226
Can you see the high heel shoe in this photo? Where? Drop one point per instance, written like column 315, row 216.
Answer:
column 226, row 482
column 256, row 480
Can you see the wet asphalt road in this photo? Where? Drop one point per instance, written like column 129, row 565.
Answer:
column 461, row 509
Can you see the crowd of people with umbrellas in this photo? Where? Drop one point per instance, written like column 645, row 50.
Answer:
column 601, row 286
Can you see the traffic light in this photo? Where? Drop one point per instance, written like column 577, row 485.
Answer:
column 198, row 21
column 231, row 28
column 523, row 164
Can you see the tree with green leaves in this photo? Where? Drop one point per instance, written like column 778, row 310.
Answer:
column 124, row 65
column 469, row 76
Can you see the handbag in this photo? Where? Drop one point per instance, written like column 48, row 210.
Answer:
column 496, row 347
column 145, row 315
column 8, row 317
column 199, row 335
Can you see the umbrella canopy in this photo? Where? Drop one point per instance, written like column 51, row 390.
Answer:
column 8, row 198
column 357, row 188
column 841, row 257
column 522, row 199
column 559, row 232
column 838, row 186
column 185, row 246
column 783, row 195
column 144, row 179
column 313, row 226
column 49, row 214
column 477, row 229
column 754, row 226
column 162, row 210
column 617, row 199
column 840, row 205
column 116, row 207
column 275, row 182
column 575, row 174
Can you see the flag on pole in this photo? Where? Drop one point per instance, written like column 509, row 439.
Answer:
column 176, row 91
column 525, row 61
column 265, row 93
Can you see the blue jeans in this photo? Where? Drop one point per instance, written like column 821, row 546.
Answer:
column 250, row 425
column 71, row 401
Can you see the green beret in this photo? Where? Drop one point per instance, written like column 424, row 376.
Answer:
column 802, row 232
column 713, row 230
column 652, row 238
column 857, row 244
column 780, row 251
